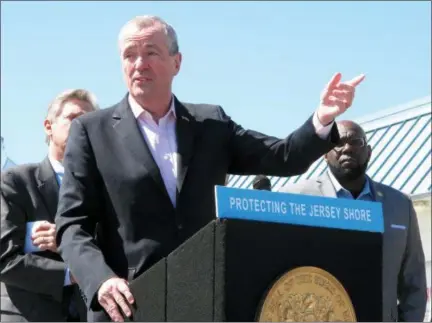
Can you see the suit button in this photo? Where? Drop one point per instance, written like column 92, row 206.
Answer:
column 180, row 226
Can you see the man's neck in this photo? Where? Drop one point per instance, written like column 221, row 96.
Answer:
column 55, row 154
column 157, row 107
column 355, row 187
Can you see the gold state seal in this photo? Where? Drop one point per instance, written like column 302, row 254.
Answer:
column 307, row 294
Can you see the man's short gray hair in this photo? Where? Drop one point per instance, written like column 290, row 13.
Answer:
column 56, row 106
column 142, row 22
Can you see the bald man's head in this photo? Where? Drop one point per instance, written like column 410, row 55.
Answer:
column 350, row 158
column 346, row 126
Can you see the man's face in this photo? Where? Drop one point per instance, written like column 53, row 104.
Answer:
column 350, row 158
column 58, row 129
column 148, row 67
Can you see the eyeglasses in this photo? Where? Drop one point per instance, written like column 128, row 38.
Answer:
column 353, row 142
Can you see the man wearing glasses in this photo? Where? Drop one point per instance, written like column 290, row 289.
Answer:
column 404, row 272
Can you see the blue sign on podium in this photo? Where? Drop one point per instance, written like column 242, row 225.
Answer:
column 317, row 211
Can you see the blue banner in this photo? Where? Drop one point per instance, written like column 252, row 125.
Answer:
column 316, row 211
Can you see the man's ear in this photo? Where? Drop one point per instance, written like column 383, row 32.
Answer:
column 369, row 148
column 48, row 127
column 177, row 63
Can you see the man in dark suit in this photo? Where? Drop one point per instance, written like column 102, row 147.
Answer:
column 143, row 171
column 35, row 283
column 404, row 271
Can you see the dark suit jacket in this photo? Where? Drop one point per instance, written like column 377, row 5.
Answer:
column 31, row 284
column 112, row 180
column 404, row 269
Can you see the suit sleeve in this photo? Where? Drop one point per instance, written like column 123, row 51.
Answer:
column 31, row 272
column 79, row 210
column 255, row 153
column 412, row 290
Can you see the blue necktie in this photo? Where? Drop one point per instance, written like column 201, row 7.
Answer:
column 59, row 177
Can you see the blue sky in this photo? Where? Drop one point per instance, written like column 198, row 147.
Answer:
column 264, row 62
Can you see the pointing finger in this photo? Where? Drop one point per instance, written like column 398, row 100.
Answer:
column 334, row 81
column 356, row 80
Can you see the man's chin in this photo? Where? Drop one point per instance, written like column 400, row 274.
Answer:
column 141, row 90
column 351, row 173
column 347, row 173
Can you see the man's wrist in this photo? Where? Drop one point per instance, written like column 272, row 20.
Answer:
column 321, row 130
column 322, row 120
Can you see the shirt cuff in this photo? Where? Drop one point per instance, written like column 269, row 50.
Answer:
column 67, row 280
column 322, row 131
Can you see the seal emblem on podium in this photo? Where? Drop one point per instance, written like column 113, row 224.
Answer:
column 306, row 294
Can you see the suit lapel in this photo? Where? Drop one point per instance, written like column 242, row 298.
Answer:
column 377, row 192
column 326, row 186
column 127, row 128
column 185, row 140
column 48, row 186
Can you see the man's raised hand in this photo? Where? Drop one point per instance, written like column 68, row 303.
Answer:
column 337, row 97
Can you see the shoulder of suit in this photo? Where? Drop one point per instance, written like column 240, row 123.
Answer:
column 21, row 169
column 392, row 193
column 19, row 173
column 204, row 110
column 98, row 116
column 200, row 111
column 300, row 186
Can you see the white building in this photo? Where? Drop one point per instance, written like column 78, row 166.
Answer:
column 401, row 158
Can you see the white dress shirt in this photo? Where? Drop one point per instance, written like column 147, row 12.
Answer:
column 341, row 192
column 58, row 169
column 162, row 141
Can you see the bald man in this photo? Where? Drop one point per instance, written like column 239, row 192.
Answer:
column 404, row 281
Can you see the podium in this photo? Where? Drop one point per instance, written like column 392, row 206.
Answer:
column 227, row 269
